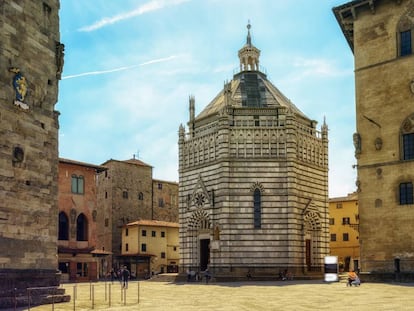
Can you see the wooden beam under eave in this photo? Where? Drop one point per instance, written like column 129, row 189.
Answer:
column 353, row 12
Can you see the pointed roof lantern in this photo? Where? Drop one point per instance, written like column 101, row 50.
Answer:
column 249, row 54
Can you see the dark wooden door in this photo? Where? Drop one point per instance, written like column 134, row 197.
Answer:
column 204, row 253
column 308, row 254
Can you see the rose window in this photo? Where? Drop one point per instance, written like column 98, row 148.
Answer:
column 199, row 199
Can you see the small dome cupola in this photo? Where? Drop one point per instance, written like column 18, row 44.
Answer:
column 249, row 54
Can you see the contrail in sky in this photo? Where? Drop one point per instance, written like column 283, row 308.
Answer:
column 101, row 72
column 145, row 8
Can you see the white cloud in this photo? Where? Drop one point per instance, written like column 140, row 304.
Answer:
column 145, row 8
column 318, row 67
column 100, row 72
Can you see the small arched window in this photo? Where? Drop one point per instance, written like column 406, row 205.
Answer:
column 406, row 193
column 407, row 139
column 140, row 196
column 63, row 227
column 257, row 207
column 405, row 36
column 81, row 228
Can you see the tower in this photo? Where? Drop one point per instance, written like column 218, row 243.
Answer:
column 380, row 34
column 253, row 184
column 31, row 62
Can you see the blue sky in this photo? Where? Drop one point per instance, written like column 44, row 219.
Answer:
column 130, row 66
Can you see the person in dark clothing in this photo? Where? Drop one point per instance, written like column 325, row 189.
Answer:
column 112, row 275
column 125, row 276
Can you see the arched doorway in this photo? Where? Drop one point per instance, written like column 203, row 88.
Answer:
column 199, row 229
column 81, row 228
column 312, row 239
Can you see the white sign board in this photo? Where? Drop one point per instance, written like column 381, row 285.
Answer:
column 331, row 268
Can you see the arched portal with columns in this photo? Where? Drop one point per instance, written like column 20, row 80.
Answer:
column 198, row 228
column 312, row 238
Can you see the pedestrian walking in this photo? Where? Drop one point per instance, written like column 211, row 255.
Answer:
column 112, row 275
column 125, row 277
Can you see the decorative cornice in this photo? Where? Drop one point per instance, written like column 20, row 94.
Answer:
column 347, row 13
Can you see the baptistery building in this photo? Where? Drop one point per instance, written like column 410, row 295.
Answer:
column 253, row 181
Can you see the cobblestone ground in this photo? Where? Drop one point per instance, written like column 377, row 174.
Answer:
column 251, row 296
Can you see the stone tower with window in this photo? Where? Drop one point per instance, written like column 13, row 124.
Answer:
column 253, row 189
column 31, row 61
column 380, row 34
column 125, row 193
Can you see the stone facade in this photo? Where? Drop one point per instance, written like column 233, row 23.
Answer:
column 380, row 36
column 31, row 61
column 165, row 200
column 81, row 254
column 127, row 192
column 253, row 190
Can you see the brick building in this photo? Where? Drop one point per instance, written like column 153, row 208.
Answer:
column 81, row 254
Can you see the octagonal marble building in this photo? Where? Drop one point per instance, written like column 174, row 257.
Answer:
column 253, row 181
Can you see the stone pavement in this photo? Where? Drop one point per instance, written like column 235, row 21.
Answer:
column 249, row 295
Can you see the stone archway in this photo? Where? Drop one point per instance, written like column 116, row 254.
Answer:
column 312, row 241
column 199, row 229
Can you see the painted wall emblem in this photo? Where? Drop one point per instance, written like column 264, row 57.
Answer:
column 20, row 88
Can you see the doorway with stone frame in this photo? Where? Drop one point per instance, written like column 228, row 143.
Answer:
column 204, row 247
column 312, row 237
column 199, row 229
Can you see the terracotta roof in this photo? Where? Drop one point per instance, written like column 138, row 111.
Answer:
column 137, row 254
column 136, row 162
column 350, row 197
column 72, row 250
column 98, row 168
column 101, row 252
column 155, row 223
column 165, row 181
column 130, row 161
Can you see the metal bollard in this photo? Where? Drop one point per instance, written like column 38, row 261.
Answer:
column 53, row 300
column 15, row 299
column 28, row 299
column 138, row 290
column 105, row 290
column 110, row 294
column 93, row 297
column 74, row 298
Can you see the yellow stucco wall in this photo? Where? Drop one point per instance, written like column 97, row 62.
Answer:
column 340, row 211
column 160, row 239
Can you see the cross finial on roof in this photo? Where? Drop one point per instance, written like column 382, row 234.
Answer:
column 249, row 39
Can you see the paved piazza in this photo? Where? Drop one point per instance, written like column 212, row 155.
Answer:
column 287, row 295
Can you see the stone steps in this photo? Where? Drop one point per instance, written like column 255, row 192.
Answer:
column 165, row 277
column 36, row 296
